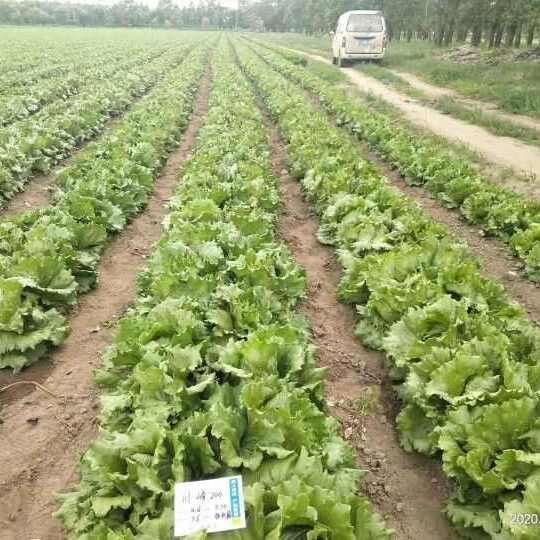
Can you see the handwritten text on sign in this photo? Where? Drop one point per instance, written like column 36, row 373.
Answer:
column 210, row 505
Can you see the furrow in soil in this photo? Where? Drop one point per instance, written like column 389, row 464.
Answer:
column 43, row 436
column 354, row 373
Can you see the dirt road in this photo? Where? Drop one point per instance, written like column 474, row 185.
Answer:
column 502, row 151
column 438, row 92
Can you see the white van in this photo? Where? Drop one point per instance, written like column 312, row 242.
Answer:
column 360, row 35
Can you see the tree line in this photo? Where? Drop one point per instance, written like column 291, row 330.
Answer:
column 126, row 13
column 511, row 23
column 493, row 22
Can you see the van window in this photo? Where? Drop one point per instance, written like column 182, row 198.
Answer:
column 369, row 22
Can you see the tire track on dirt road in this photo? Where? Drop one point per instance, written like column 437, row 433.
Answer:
column 437, row 92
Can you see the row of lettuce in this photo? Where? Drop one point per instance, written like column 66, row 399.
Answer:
column 49, row 256
column 456, row 183
column 31, row 59
column 212, row 372
column 36, row 144
column 465, row 359
column 85, row 71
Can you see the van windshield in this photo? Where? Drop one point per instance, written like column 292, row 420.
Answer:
column 365, row 23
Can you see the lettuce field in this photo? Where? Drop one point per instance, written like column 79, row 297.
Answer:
column 213, row 264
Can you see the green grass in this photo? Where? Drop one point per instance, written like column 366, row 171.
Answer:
column 513, row 86
column 454, row 108
column 391, row 79
column 369, row 402
column 487, row 120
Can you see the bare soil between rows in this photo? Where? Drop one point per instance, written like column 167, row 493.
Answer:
column 496, row 258
column 39, row 189
column 353, row 371
column 43, row 437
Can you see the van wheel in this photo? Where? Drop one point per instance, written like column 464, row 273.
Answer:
column 334, row 60
column 341, row 62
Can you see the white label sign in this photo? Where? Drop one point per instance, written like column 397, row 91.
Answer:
column 211, row 505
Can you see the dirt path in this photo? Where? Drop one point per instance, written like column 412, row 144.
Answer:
column 42, row 438
column 502, row 151
column 354, row 371
column 437, row 92
column 37, row 193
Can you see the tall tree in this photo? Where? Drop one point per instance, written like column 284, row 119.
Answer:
column 494, row 22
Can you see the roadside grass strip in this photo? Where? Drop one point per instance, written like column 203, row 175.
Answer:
column 49, row 256
column 455, row 183
column 34, row 145
column 465, row 360
column 212, row 372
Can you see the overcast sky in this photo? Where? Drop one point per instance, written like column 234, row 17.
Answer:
column 226, row 3
column 229, row 3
